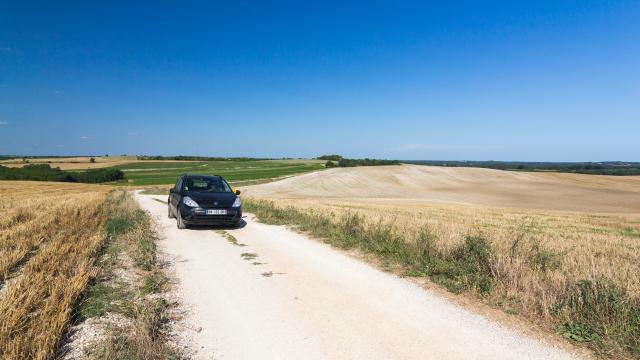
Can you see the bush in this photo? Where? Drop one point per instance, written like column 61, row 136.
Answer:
column 330, row 157
column 366, row 162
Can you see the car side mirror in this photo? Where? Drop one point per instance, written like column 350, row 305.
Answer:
column 237, row 192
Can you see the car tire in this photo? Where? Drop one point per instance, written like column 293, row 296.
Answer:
column 181, row 224
column 170, row 214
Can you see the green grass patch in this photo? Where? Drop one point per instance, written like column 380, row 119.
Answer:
column 248, row 256
column 153, row 283
column 145, row 253
column 631, row 232
column 158, row 173
column 599, row 313
column 230, row 238
column 101, row 298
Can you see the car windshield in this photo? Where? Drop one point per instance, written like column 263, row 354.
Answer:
column 206, row 184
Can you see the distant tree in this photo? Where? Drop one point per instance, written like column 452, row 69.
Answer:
column 330, row 157
column 92, row 160
column 330, row 164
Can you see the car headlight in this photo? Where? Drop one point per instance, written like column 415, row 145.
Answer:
column 189, row 202
column 237, row 203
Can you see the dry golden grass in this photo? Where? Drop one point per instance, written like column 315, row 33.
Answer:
column 50, row 234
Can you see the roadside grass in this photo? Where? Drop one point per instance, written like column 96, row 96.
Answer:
column 592, row 310
column 101, row 298
column 131, row 249
column 143, row 341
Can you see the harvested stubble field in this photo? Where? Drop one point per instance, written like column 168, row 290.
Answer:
column 561, row 250
column 50, row 234
column 75, row 163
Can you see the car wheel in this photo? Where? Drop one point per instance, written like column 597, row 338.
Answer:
column 181, row 224
column 170, row 213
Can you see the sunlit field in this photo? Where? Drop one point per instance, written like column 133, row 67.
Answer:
column 50, row 234
column 574, row 273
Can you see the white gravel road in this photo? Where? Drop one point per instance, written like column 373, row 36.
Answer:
column 305, row 300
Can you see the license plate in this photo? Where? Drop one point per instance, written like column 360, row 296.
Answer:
column 216, row 212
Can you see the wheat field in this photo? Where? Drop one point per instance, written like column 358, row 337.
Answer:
column 50, row 234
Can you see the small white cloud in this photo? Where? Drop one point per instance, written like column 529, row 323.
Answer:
column 84, row 137
column 4, row 123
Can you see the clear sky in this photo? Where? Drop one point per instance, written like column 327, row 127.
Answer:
column 476, row 80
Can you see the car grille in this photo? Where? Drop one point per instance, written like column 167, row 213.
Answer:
column 214, row 219
column 213, row 205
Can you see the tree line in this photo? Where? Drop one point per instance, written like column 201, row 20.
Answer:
column 339, row 161
column 618, row 168
column 44, row 172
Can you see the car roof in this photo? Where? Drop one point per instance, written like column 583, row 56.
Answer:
column 200, row 175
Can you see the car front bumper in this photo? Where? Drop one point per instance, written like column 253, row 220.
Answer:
column 198, row 216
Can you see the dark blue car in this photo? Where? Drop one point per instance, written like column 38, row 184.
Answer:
column 204, row 200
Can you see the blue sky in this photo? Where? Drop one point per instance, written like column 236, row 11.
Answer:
column 503, row 80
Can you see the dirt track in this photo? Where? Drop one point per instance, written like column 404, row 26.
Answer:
column 474, row 186
column 305, row 300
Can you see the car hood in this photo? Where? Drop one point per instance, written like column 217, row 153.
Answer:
column 209, row 200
